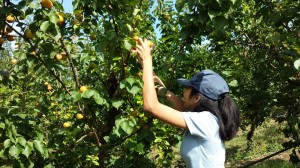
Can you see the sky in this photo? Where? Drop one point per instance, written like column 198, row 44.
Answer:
column 68, row 6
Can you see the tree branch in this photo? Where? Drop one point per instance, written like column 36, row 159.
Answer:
column 71, row 62
column 41, row 60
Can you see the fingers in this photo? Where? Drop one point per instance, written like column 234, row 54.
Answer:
column 158, row 80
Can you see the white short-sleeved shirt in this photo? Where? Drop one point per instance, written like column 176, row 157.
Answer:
column 201, row 145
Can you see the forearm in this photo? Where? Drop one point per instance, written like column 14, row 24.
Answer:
column 175, row 101
column 149, row 93
column 172, row 100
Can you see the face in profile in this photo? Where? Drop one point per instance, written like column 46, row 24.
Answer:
column 190, row 103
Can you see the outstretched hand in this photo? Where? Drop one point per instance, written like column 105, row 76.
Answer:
column 144, row 49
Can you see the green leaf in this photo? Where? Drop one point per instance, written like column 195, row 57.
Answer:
column 219, row 2
column 38, row 145
column 76, row 95
column 131, row 81
column 22, row 141
column 297, row 64
column 135, row 11
column 139, row 148
column 117, row 103
column 221, row 21
column 212, row 13
column 27, row 150
column 134, row 90
column 6, row 143
column 127, row 45
column 2, row 154
column 180, row 4
column 15, row 150
column 53, row 17
column 39, row 136
column 233, row 1
column 68, row 47
column 233, row 83
column 205, row 2
column 57, row 35
column 98, row 99
column 126, row 127
column 34, row 5
column 276, row 37
column 44, row 26
column 13, row 131
column 2, row 125
column 88, row 93
column 122, row 84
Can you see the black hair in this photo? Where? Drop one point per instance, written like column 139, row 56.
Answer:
column 224, row 109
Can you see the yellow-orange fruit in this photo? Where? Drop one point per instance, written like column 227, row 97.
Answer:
column 47, row 4
column 66, row 124
column 83, row 89
column 14, row 61
column 8, row 29
column 150, row 44
column 135, row 38
column 29, row 34
column 79, row 116
column 60, row 20
column 1, row 40
column 10, row 18
column 93, row 37
column 10, row 38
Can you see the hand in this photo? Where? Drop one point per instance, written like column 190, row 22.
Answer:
column 158, row 80
column 161, row 90
column 144, row 50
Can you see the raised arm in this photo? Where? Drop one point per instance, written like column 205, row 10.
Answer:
column 150, row 100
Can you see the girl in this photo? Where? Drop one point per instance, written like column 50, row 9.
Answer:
column 207, row 112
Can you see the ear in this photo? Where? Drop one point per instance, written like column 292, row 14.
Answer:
column 197, row 98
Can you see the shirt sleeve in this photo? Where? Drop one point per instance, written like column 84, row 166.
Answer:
column 202, row 124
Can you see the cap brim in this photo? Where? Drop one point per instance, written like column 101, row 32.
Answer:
column 184, row 82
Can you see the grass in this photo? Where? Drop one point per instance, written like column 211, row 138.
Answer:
column 266, row 141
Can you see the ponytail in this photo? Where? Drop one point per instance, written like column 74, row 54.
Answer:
column 230, row 117
column 225, row 110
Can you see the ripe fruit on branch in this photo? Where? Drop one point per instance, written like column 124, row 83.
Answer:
column 79, row 116
column 60, row 56
column 46, row 83
column 10, row 18
column 8, row 29
column 79, row 17
column 136, row 38
column 29, row 34
column 33, row 53
column 14, row 61
column 66, row 124
column 1, row 40
column 83, row 89
column 4, row 32
column 60, row 20
column 49, row 87
column 93, row 36
column 150, row 43
column 10, row 37
column 47, row 4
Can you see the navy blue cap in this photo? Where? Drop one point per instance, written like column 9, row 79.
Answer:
column 207, row 82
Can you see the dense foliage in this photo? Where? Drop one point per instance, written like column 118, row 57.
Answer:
column 70, row 89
